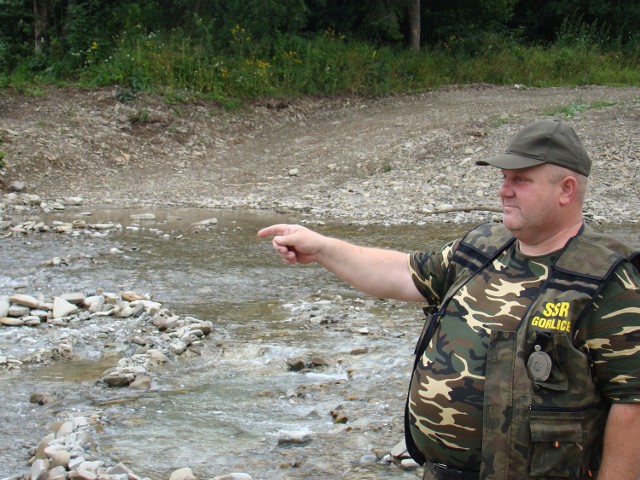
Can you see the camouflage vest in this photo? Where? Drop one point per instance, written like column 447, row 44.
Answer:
column 543, row 416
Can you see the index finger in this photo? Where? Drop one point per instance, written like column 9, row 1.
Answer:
column 274, row 230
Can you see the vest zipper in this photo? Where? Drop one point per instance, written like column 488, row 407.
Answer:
column 543, row 408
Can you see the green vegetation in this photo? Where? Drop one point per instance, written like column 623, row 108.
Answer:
column 499, row 120
column 141, row 116
column 236, row 52
column 577, row 106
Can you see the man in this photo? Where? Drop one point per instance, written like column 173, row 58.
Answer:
column 529, row 363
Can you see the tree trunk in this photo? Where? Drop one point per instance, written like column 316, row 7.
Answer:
column 40, row 25
column 414, row 24
column 200, row 6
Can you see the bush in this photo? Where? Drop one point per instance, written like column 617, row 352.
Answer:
column 328, row 64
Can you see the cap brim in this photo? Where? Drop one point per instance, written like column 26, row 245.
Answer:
column 509, row 161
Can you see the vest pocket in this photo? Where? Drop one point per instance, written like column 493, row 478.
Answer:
column 553, row 348
column 559, row 441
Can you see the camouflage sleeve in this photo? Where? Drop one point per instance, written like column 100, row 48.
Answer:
column 612, row 333
column 429, row 271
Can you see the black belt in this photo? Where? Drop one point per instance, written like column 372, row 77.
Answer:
column 443, row 472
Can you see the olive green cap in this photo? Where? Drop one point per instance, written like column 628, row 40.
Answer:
column 544, row 141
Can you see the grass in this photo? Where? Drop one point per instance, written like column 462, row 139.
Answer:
column 577, row 106
column 140, row 116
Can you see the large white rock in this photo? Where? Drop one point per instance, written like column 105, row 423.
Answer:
column 142, row 216
column 11, row 322
column 65, row 429
column 85, row 475
column 4, row 305
column 94, row 303
column 60, row 458
column 182, row 474
column 25, row 300
column 16, row 310
column 74, row 201
column 62, row 308
column 76, row 298
column 39, row 468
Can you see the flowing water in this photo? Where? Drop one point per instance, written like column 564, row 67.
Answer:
column 222, row 411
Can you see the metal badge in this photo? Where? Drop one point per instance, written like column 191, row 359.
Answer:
column 539, row 365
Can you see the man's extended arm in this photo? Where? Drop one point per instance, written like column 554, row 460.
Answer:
column 374, row 271
column 621, row 460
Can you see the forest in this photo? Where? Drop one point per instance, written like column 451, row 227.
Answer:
column 233, row 51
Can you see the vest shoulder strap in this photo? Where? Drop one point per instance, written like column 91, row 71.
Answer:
column 486, row 241
column 588, row 261
column 478, row 248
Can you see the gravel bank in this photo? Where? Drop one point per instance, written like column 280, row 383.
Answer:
column 390, row 160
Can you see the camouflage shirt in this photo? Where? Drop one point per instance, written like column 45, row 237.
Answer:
column 447, row 390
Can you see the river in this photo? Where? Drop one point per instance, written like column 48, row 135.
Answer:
column 224, row 410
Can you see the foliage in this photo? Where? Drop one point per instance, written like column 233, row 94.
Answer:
column 579, row 105
column 377, row 21
column 543, row 19
column 15, row 41
column 466, row 20
column 234, row 51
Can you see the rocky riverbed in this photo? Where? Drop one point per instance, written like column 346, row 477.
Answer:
column 136, row 335
column 389, row 161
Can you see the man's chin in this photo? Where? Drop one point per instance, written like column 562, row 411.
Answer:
column 512, row 224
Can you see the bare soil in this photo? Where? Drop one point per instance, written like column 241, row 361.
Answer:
column 388, row 159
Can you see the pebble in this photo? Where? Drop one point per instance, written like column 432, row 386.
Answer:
column 182, row 474
column 4, row 305
column 295, row 438
column 142, row 216
column 26, row 300
column 63, row 308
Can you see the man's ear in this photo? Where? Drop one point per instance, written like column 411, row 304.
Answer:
column 569, row 186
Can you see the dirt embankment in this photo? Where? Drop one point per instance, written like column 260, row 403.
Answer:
column 393, row 159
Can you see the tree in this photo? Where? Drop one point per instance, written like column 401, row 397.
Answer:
column 415, row 20
column 380, row 21
column 41, row 12
column 464, row 19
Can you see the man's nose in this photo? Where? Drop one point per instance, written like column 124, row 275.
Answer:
column 505, row 189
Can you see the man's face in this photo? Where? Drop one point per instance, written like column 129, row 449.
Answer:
column 530, row 201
